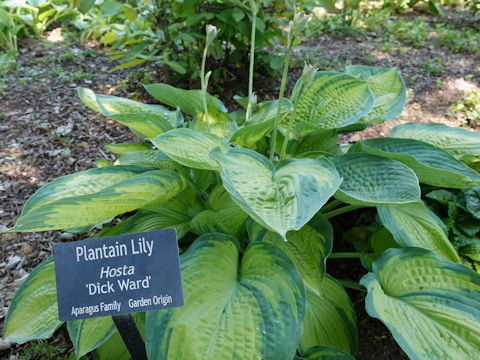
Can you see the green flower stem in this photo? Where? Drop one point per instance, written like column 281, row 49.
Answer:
column 252, row 59
column 342, row 210
column 331, row 205
column 204, row 88
column 345, row 255
column 280, row 97
column 351, row 285
column 285, row 139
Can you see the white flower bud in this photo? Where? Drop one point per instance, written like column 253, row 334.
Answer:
column 299, row 23
column 212, row 33
column 308, row 73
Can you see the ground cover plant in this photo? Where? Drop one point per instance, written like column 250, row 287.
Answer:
column 251, row 194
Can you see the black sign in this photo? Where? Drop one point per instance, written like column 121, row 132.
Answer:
column 118, row 275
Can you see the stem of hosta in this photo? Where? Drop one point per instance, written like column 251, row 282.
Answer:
column 252, row 58
column 342, row 210
column 331, row 205
column 351, row 285
column 204, row 87
column 280, row 97
column 287, row 134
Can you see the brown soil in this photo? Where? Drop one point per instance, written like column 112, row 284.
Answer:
column 46, row 132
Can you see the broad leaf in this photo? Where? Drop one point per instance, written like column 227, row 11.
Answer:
column 249, row 310
column 249, row 135
column 431, row 305
column 33, row 312
column 325, row 141
column 456, row 141
column 189, row 147
column 472, row 201
column 151, row 158
column 308, row 248
column 145, row 220
column 89, row 98
column 126, row 147
column 191, row 102
column 432, row 165
column 81, row 183
column 325, row 353
column 280, row 199
column 330, row 319
column 414, row 225
column 388, row 89
column 267, row 111
column 332, row 100
column 88, row 334
column 225, row 216
column 373, row 180
column 114, row 348
column 152, row 187
column 148, row 120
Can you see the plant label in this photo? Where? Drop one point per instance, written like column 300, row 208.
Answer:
column 118, row 275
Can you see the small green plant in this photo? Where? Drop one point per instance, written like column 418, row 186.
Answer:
column 252, row 195
column 343, row 18
column 473, row 6
column 433, row 66
column 469, row 107
column 43, row 350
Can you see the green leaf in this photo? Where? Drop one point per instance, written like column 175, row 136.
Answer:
column 249, row 310
column 78, row 211
column 326, row 353
column 457, row 142
column 330, row 319
column 175, row 65
column 221, row 124
column 225, row 216
column 267, row 110
column 88, row 334
column 249, row 135
column 148, row 120
column 307, row 248
column 332, row 100
column 126, row 65
column 81, row 183
column 122, row 148
column 432, row 166
column 414, row 225
column 280, row 199
column 89, row 98
column 388, row 89
column 325, row 141
column 191, row 102
column 431, row 305
column 328, row 5
column 33, row 312
column 151, row 158
column 373, row 180
column 114, row 348
column 189, row 147
column 472, row 201
column 145, row 220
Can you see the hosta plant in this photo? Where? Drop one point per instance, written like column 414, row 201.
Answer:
column 251, row 194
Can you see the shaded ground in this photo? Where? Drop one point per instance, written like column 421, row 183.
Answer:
column 46, row 132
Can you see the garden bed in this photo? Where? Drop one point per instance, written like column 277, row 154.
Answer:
column 47, row 132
